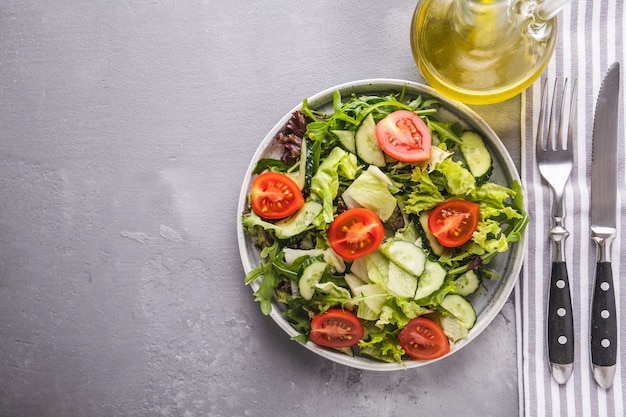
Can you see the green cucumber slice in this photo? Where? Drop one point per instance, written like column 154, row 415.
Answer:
column 460, row 308
column 476, row 155
column 406, row 255
column 346, row 138
column 311, row 276
column 298, row 223
column 366, row 144
column 467, row 283
column 401, row 284
column 434, row 244
column 431, row 280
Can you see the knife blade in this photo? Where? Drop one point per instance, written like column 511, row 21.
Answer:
column 603, row 228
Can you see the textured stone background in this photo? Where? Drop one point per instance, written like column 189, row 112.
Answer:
column 127, row 127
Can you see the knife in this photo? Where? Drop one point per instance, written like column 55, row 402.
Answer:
column 603, row 228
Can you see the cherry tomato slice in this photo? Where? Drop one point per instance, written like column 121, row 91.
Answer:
column 355, row 233
column 404, row 136
column 423, row 339
column 454, row 221
column 275, row 196
column 336, row 328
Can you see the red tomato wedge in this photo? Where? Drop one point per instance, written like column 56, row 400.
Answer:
column 355, row 233
column 454, row 221
column 275, row 196
column 404, row 136
column 423, row 339
column 336, row 328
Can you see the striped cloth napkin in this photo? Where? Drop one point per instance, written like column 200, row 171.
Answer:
column 590, row 39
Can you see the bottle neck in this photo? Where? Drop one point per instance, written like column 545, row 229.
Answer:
column 484, row 23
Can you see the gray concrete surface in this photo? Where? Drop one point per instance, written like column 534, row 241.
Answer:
column 126, row 128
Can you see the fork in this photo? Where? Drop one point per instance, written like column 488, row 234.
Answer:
column 555, row 160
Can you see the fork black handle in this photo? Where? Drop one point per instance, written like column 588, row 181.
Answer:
column 560, row 318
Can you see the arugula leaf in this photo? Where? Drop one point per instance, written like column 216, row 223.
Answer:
column 269, row 163
column 269, row 275
column 516, row 232
column 447, row 132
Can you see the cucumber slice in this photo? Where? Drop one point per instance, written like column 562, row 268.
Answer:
column 406, row 255
column 310, row 276
column 435, row 246
column 301, row 176
column 460, row 308
column 377, row 268
column 298, row 222
column 467, row 283
column 476, row 155
column 401, row 284
column 346, row 138
column 431, row 280
column 366, row 144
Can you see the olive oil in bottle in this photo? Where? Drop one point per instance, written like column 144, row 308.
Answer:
column 480, row 51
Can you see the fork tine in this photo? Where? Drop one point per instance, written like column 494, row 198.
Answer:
column 540, row 126
column 572, row 115
column 562, row 140
column 551, row 132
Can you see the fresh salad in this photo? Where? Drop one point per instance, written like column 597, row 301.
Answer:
column 376, row 225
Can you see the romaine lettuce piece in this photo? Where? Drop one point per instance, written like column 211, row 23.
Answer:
column 437, row 155
column 325, row 182
column 372, row 302
column 371, row 190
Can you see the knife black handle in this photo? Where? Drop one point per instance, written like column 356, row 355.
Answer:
column 560, row 317
column 603, row 318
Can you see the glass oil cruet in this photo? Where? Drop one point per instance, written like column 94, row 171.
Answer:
column 483, row 51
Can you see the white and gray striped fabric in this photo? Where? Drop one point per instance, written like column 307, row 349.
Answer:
column 590, row 39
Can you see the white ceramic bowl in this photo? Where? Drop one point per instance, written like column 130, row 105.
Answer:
column 488, row 301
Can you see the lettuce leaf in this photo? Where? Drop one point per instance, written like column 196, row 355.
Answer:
column 372, row 190
column 383, row 345
column 425, row 195
column 459, row 181
column 325, row 182
column 399, row 311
